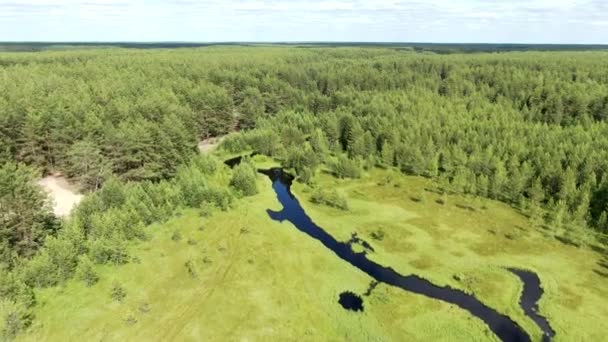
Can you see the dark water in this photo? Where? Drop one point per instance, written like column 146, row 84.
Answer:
column 529, row 300
column 506, row 329
column 351, row 301
column 232, row 162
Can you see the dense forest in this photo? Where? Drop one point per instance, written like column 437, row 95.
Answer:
column 526, row 128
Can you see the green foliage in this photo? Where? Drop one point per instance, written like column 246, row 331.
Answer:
column 234, row 143
column 54, row 263
column 302, row 159
column 306, row 176
column 191, row 268
column 378, row 235
column 343, row 167
column 87, row 165
column 176, row 236
column 206, row 163
column 117, row 292
column 263, row 141
column 25, row 218
column 329, row 198
column 13, row 288
column 244, row 179
column 110, row 250
column 526, row 129
column 85, row 271
column 16, row 318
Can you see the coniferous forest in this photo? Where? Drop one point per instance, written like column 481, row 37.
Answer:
column 528, row 129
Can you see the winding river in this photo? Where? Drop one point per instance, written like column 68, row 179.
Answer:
column 505, row 328
column 531, row 293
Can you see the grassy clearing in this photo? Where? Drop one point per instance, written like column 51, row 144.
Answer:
column 238, row 275
column 466, row 243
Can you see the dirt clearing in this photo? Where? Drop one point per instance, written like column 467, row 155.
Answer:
column 63, row 194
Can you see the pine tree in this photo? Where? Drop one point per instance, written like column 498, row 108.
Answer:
column 87, row 165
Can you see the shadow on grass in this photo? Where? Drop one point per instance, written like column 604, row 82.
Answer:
column 435, row 191
column 601, row 273
column 567, row 241
column 466, row 207
column 598, row 248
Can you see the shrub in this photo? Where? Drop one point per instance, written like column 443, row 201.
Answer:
column 85, row 271
column 117, row 292
column 305, row 176
column 218, row 196
column 54, row 263
column 244, row 179
column 117, row 222
column 13, row 288
column 111, row 250
column 263, row 141
column 176, row 236
column 16, row 317
column 234, row 143
column 112, row 195
column 378, row 235
column 205, row 163
column 345, row 168
column 206, row 210
column 191, row 268
column 330, row 198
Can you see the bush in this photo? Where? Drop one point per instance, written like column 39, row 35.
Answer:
column 15, row 318
column 117, row 222
column 378, row 235
column 53, row 264
column 305, row 176
column 330, row 198
column 176, row 236
column 13, row 288
column 117, row 292
column 111, row 250
column 345, row 168
column 191, row 268
column 218, row 196
column 234, row 143
column 263, row 141
column 244, row 179
column 85, row 271
column 112, row 194
column 205, row 163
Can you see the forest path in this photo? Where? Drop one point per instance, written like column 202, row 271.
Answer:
column 64, row 195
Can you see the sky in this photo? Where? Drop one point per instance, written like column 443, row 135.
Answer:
column 442, row 21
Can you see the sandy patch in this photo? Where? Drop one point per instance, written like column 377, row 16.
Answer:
column 64, row 195
column 208, row 145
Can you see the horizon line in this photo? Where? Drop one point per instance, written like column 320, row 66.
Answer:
column 280, row 42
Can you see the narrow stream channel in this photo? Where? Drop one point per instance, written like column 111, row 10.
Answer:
column 506, row 329
column 529, row 300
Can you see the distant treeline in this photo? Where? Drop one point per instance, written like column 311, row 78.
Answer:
column 420, row 47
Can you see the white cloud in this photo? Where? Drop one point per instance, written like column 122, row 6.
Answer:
column 566, row 21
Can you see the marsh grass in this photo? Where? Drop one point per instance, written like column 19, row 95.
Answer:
column 276, row 283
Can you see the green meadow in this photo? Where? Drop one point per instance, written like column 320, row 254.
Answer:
column 238, row 275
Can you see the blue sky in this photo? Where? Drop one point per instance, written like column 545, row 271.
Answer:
column 493, row 21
